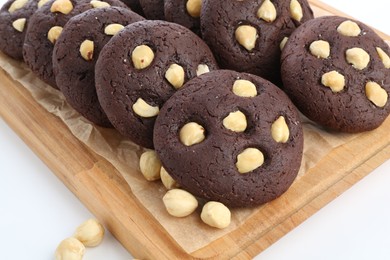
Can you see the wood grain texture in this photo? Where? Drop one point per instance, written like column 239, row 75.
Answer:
column 103, row 191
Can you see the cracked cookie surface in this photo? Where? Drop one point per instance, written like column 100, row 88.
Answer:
column 153, row 9
column 141, row 67
column 75, row 76
column 230, row 137
column 337, row 72
column 246, row 35
column 186, row 13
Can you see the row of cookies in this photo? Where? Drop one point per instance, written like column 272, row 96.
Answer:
column 15, row 22
column 208, row 129
column 116, row 68
column 139, row 66
column 249, row 51
column 257, row 27
column 145, row 69
column 185, row 13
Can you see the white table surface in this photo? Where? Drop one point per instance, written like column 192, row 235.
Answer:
column 37, row 211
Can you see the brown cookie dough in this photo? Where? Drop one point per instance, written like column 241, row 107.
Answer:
column 337, row 72
column 141, row 67
column 74, row 69
column 14, row 18
column 230, row 137
column 246, row 35
column 44, row 28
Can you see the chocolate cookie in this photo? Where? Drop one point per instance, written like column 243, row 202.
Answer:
column 153, row 9
column 134, row 6
column 76, row 52
column 337, row 72
column 186, row 13
column 230, row 137
column 141, row 67
column 44, row 28
column 14, row 18
column 246, row 35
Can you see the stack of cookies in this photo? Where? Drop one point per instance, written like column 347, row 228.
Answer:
column 211, row 85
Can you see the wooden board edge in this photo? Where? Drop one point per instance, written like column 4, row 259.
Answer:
column 315, row 205
column 101, row 166
column 308, row 193
column 80, row 176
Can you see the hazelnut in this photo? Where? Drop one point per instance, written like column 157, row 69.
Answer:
column 376, row 94
column 19, row 24
column 61, row 6
column 70, row 249
column 90, row 233
column 202, row 69
column 99, row 4
column 358, row 57
column 42, row 2
column 194, row 7
column 320, row 49
column 192, row 133
column 16, row 5
column 283, row 43
column 280, row 131
column 142, row 56
column 235, row 121
column 349, row 28
column 167, row 180
column 179, row 203
column 296, row 10
column 267, row 11
column 54, row 33
column 86, row 49
column 244, row 88
column 113, row 28
column 215, row 214
column 384, row 57
column 334, row 80
column 143, row 109
column 246, row 36
column 175, row 75
column 150, row 165
column 249, row 160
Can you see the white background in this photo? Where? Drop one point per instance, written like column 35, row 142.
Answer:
column 37, row 211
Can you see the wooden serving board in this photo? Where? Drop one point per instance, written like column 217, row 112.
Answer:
column 106, row 194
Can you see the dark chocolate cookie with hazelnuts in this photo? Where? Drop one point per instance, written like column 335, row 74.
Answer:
column 44, row 28
column 230, row 137
column 14, row 18
column 186, row 13
column 76, row 52
column 337, row 72
column 141, row 67
column 246, row 35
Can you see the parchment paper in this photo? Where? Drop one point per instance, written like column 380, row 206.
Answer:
column 190, row 233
